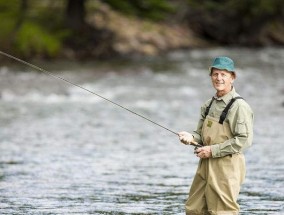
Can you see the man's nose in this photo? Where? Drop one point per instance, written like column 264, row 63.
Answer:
column 219, row 77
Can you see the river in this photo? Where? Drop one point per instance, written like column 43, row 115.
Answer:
column 66, row 151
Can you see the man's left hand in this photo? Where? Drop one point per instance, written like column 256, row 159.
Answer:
column 204, row 152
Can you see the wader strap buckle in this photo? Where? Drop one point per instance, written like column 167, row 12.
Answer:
column 226, row 110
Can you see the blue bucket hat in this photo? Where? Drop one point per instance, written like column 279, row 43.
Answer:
column 223, row 63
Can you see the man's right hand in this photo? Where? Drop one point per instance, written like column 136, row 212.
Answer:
column 185, row 137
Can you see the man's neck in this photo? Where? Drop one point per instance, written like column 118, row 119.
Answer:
column 223, row 92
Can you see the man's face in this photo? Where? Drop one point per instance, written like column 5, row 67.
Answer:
column 222, row 80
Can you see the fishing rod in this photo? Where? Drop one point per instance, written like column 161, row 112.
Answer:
column 85, row 89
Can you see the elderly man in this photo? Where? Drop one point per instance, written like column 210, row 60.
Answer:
column 225, row 130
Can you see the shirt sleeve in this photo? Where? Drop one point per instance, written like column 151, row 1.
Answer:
column 240, row 119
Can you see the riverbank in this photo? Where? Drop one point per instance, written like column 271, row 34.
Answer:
column 95, row 30
column 131, row 36
column 123, row 35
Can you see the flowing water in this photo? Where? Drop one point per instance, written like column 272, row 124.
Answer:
column 65, row 151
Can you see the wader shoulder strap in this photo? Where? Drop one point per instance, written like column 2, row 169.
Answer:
column 208, row 108
column 226, row 110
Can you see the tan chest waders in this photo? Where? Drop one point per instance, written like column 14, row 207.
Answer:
column 216, row 185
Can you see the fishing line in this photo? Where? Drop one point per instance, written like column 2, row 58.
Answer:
column 83, row 88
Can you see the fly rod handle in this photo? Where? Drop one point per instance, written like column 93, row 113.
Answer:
column 196, row 144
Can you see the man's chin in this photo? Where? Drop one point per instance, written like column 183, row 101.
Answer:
column 219, row 88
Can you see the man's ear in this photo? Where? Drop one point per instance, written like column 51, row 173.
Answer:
column 233, row 77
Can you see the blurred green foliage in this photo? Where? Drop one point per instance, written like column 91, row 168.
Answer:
column 252, row 8
column 33, row 30
column 156, row 10
column 234, row 21
column 38, row 27
column 8, row 13
column 33, row 39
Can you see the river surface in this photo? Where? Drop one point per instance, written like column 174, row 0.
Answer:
column 66, row 151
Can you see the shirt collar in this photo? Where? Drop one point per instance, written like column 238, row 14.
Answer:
column 226, row 98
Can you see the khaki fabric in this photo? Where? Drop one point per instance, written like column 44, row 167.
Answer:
column 216, row 185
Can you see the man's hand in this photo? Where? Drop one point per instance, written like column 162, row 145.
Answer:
column 203, row 152
column 185, row 137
